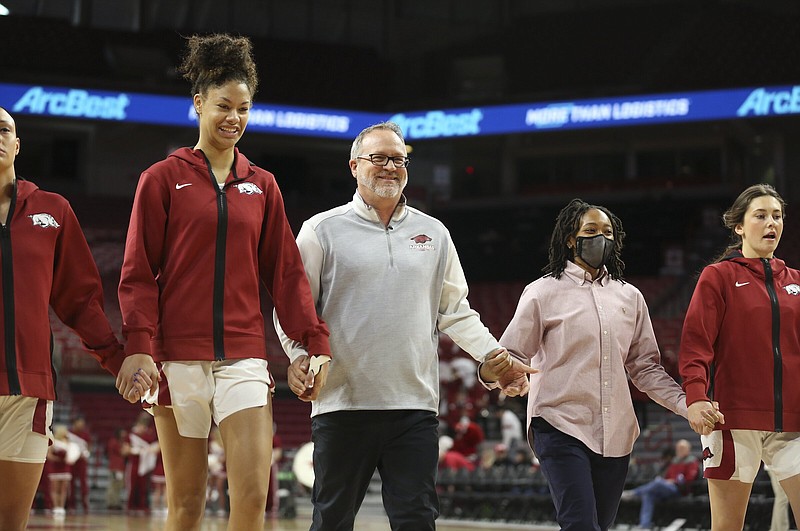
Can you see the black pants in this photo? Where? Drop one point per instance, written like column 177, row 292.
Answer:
column 350, row 445
column 586, row 487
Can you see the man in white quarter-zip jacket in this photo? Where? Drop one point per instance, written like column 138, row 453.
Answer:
column 386, row 279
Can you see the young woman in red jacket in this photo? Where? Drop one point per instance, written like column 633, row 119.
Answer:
column 741, row 347
column 208, row 229
column 45, row 263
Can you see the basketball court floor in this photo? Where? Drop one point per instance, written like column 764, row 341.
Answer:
column 365, row 522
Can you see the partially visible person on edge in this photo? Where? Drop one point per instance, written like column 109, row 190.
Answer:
column 79, row 434
column 587, row 330
column 46, row 263
column 387, row 278
column 741, row 346
column 117, row 450
column 208, row 229
column 681, row 472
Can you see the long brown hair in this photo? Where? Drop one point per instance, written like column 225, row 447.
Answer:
column 735, row 214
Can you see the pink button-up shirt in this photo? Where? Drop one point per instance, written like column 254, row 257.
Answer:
column 586, row 337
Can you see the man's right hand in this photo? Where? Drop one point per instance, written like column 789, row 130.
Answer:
column 304, row 383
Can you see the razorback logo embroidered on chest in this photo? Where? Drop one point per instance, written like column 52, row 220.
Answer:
column 421, row 243
column 248, row 188
column 792, row 289
column 44, row 220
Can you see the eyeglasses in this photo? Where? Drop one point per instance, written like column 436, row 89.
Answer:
column 383, row 160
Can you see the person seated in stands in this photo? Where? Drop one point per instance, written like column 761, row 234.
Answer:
column 501, row 457
column 680, row 473
column 450, row 459
column 468, row 435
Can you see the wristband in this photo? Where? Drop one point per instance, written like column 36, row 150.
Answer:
column 316, row 362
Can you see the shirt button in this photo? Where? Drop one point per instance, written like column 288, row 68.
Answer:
column 605, row 332
column 600, row 306
column 605, row 383
column 605, row 357
column 605, row 409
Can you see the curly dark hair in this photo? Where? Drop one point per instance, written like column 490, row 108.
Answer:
column 568, row 224
column 213, row 60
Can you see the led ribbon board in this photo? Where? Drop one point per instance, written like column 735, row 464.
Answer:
column 155, row 109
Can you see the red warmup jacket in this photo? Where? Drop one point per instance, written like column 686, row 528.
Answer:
column 194, row 259
column 741, row 343
column 45, row 261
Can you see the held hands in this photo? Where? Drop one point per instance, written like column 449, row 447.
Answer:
column 704, row 415
column 137, row 375
column 512, row 375
column 306, row 379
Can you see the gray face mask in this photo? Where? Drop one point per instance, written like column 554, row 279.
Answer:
column 594, row 251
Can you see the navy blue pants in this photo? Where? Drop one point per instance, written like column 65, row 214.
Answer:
column 586, row 487
column 350, row 445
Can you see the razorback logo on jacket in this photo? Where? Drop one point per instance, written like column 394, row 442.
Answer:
column 792, row 289
column 44, row 220
column 707, row 453
column 421, row 243
column 248, row 188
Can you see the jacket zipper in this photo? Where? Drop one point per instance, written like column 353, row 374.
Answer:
column 776, row 345
column 9, row 321
column 219, row 266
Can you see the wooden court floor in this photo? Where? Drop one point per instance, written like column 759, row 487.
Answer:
column 121, row 522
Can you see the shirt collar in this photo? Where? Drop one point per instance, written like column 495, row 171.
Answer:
column 366, row 211
column 580, row 276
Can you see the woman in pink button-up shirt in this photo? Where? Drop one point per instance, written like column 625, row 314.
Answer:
column 587, row 331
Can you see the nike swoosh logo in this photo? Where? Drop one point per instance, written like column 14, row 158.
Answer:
column 739, row 285
column 179, row 186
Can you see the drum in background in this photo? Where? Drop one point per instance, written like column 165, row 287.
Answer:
column 303, row 465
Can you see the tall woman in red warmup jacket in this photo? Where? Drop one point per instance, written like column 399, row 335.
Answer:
column 44, row 262
column 208, row 229
column 741, row 347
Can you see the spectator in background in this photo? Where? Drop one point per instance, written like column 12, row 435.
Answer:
column 468, row 435
column 117, row 450
column 510, row 424
column 141, row 462
column 158, row 499
column 502, row 459
column 676, row 481
column 217, row 477
column 449, row 459
column 79, row 434
column 62, row 455
column 741, row 343
column 273, row 497
column 780, row 506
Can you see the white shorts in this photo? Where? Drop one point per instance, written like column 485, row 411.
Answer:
column 25, row 428
column 199, row 391
column 737, row 454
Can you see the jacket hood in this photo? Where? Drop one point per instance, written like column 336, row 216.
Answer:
column 755, row 265
column 197, row 159
column 24, row 189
